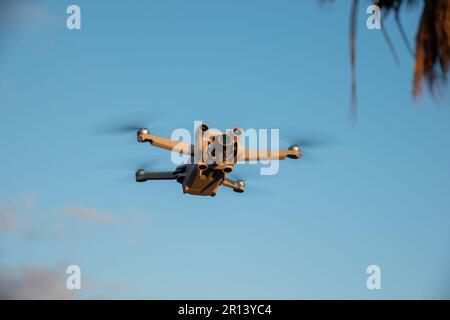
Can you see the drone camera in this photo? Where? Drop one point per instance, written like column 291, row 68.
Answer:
column 225, row 139
column 204, row 127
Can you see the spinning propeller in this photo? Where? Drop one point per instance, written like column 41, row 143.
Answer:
column 130, row 123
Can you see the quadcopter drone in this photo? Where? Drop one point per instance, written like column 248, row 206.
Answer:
column 212, row 157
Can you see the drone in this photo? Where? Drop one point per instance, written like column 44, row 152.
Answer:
column 212, row 158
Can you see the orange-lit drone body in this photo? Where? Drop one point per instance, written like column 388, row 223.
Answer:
column 212, row 157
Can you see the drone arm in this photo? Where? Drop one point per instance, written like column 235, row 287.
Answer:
column 237, row 186
column 229, row 184
column 255, row 155
column 164, row 175
column 164, row 143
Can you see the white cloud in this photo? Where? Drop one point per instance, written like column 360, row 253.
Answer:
column 24, row 12
column 31, row 282
column 89, row 214
column 20, row 216
column 7, row 220
column 10, row 212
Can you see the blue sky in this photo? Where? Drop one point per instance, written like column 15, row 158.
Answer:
column 378, row 196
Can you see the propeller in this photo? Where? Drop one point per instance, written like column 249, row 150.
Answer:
column 129, row 167
column 307, row 140
column 148, row 165
column 251, row 183
column 245, row 174
column 129, row 123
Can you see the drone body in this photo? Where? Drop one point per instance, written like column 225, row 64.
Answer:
column 212, row 157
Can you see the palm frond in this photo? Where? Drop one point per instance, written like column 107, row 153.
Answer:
column 432, row 46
